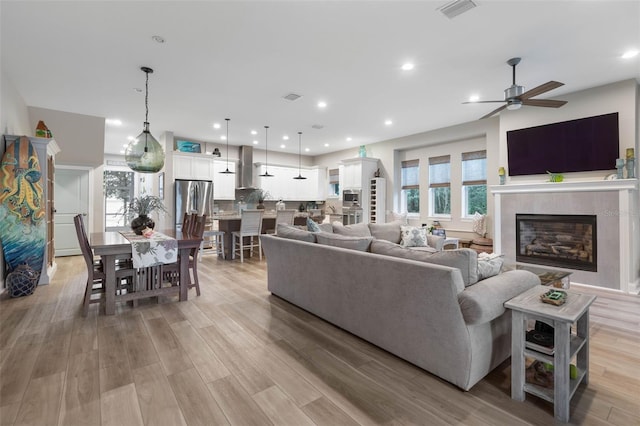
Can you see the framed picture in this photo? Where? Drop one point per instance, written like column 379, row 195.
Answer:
column 440, row 232
column 161, row 185
column 188, row 146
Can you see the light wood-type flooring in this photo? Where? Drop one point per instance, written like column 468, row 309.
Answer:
column 237, row 355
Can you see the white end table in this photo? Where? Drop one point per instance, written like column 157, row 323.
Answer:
column 528, row 306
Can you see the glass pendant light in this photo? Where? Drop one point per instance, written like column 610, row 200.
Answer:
column 144, row 154
column 227, row 172
column 266, row 152
column 299, row 156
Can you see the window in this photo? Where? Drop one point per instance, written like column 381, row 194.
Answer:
column 334, row 182
column 118, row 192
column 440, row 186
column 474, row 183
column 410, row 186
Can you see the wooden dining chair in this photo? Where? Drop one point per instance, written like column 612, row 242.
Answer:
column 188, row 222
column 172, row 272
column 95, row 271
column 251, row 227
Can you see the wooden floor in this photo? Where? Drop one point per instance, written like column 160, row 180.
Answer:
column 237, row 355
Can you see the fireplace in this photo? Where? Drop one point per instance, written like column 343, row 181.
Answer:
column 567, row 241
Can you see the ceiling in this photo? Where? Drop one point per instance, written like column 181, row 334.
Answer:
column 238, row 59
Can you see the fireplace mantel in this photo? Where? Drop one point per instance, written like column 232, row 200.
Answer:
column 571, row 186
column 616, row 207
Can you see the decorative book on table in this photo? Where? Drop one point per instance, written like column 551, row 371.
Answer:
column 539, row 341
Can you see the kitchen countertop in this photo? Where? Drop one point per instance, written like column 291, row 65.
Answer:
column 268, row 214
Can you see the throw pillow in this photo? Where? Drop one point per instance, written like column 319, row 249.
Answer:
column 386, row 231
column 489, row 265
column 344, row 241
column 326, row 227
column 393, row 217
column 357, row 230
column 312, row 226
column 294, row 233
column 412, row 236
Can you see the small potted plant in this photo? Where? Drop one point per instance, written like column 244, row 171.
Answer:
column 258, row 196
column 142, row 206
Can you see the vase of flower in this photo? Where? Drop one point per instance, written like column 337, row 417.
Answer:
column 142, row 206
column 258, row 196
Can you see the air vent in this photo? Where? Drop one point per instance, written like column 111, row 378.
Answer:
column 317, row 126
column 457, row 7
column 292, row 97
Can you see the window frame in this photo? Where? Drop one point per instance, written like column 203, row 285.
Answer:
column 467, row 184
column 434, row 186
column 405, row 188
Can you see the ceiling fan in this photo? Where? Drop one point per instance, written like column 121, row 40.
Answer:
column 515, row 96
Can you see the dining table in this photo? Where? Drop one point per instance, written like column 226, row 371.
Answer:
column 111, row 245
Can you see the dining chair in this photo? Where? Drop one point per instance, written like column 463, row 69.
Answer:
column 171, row 272
column 95, row 270
column 251, row 227
column 188, row 222
column 283, row 217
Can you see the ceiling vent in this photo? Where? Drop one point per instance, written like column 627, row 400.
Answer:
column 457, row 7
column 317, row 126
column 292, row 97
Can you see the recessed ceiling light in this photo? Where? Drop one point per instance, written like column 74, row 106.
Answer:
column 630, row 54
column 253, row 132
column 113, row 122
column 216, row 125
column 326, row 144
column 388, row 122
column 255, row 142
column 307, row 150
column 158, row 39
column 124, row 145
column 285, row 138
column 349, row 139
column 122, row 151
column 130, row 138
column 223, row 137
column 322, row 104
column 407, row 66
column 474, row 98
column 283, row 146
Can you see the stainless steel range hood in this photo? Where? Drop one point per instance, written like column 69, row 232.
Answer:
column 245, row 180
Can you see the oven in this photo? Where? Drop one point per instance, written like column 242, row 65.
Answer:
column 351, row 198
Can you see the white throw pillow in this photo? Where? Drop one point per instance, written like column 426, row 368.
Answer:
column 412, row 236
column 489, row 265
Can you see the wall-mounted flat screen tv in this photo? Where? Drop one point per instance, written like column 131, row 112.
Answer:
column 585, row 144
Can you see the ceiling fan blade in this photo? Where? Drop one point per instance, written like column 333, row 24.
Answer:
column 481, row 102
column 550, row 85
column 549, row 103
column 493, row 112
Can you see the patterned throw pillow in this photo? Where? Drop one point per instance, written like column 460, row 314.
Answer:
column 412, row 236
column 312, row 226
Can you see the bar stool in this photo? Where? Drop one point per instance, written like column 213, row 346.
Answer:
column 216, row 238
column 251, row 227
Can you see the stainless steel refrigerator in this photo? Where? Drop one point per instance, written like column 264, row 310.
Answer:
column 193, row 196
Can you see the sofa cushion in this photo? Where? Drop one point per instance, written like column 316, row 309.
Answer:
column 484, row 301
column 312, row 226
column 344, row 241
column 466, row 260
column 356, row 230
column 295, row 233
column 489, row 265
column 386, row 231
column 326, row 227
column 412, row 236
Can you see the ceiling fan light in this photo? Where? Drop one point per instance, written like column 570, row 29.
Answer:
column 513, row 105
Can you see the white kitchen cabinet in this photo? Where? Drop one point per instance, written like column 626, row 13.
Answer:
column 356, row 172
column 224, row 185
column 283, row 186
column 195, row 166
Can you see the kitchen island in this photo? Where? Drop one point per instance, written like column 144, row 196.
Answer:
column 231, row 222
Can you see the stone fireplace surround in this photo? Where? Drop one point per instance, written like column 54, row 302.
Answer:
column 612, row 201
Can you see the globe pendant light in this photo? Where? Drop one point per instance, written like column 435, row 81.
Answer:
column 144, row 154
column 227, row 172
column 266, row 152
column 299, row 156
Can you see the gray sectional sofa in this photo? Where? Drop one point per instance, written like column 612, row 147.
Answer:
column 425, row 306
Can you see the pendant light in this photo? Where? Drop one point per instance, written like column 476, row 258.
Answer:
column 227, row 172
column 144, row 154
column 266, row 152
column 299, row 177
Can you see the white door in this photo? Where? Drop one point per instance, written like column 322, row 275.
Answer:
column 71, row 194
